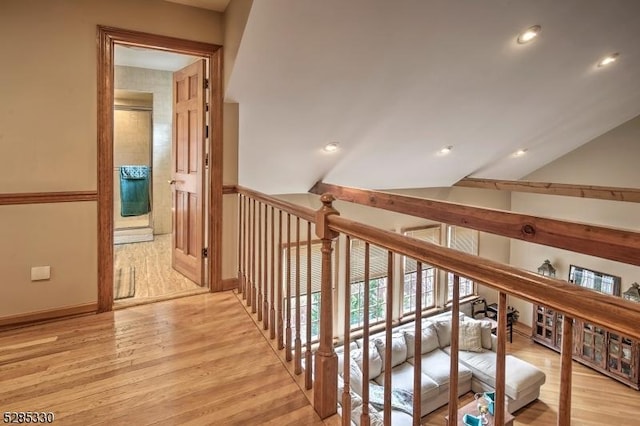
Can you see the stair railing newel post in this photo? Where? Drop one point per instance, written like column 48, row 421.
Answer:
column 325, row 386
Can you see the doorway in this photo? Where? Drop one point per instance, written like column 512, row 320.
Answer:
column 140, row 204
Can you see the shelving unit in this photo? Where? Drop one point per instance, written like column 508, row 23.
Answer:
column 604, row 350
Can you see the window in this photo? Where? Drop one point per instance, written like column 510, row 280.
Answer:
column 429, row 275
column 315, row 317
column 316, row 283
column 378, row 267
column 428, row 293
column 465, row 240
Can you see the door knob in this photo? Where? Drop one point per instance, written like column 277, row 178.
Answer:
column 171, row 182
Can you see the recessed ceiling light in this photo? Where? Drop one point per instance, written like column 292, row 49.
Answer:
column 607, row 60
column 520, row 152
column 331, row 147
column 529, row 34
column 445, row 150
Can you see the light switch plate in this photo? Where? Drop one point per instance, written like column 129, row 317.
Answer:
column 39, row 273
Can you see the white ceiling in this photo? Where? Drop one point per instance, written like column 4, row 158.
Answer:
column 140, row 57
column 395, row 81
column 217, row 5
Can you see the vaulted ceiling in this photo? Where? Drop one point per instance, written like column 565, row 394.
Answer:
column 393, row 82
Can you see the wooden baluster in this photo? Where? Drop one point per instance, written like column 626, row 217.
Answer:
column 245, row 252
column 346, row 393
column 455, row 344
column 251, row 251
column 307, row 354
column 254, row 277
column 298, row 342
column 389, row 343
column 501, row 360
column 564, row 411
column 365, row 420
column 265, row 271
column 288, row 302
column 325, row 386
column 279, row 286
column 272, row 310
column 417, row 349
column 258, row 304
column 240, row 247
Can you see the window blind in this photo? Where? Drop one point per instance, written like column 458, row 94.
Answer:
column 431, row 235
column 462, row 239
column 377, row 261
column 465, row 240
column 316, row 267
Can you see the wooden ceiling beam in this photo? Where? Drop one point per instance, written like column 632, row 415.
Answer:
column 631, row 195
column 604, row 242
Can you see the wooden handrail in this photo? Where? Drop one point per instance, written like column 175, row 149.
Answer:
column 229, row 189
column 573, row 301
column 600, row 241
column 302, row 212
column 607, row 311
column 610, row 193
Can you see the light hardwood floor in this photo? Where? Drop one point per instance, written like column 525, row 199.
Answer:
column 194, row 360
column 202, row 360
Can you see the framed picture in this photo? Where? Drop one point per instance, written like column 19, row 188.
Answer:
column 594, row 280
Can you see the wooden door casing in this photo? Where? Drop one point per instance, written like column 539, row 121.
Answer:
column 187, row 155
column 107, row 39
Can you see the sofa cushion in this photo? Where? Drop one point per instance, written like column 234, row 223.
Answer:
column 470, row 336
column 443, row 329
column 355, row 378
column 398, row 349
column 437, row 366
column 375, row 418
column 402, row 378
column 485, row 326
column 355, row 398
column 375, row 362
column 340, row 353
column 521, row 376
column 429, row 340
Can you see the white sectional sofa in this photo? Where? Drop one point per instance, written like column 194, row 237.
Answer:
column 476, row 368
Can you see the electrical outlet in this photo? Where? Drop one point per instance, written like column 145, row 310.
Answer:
column 39, row 273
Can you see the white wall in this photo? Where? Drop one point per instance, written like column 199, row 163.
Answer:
column 159, row 83
column 609, row 160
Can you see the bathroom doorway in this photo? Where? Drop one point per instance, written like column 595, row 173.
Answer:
column 147, row 137
column 154, row 146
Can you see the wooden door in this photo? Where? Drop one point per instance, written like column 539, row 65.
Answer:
column 187, row 183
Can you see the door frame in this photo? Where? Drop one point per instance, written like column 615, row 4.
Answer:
column 107, row 38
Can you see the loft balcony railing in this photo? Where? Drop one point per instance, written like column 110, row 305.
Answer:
column 274, row 283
